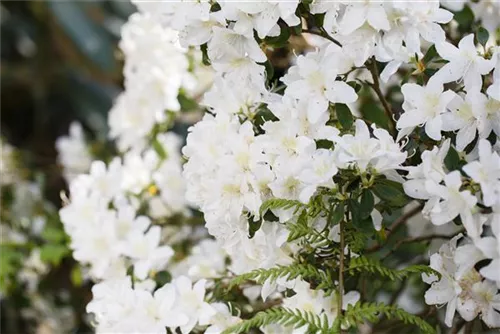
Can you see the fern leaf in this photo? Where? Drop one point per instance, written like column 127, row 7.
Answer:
column 283, row 316
column 305, row 271
column 364, row 264
column 361, row 312
column 279, row 203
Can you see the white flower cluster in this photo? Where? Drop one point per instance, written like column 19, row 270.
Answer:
column 156, row 69
column 73, row 153
column 102, row 218
column 120, row 307
column 296, row 141
column 461, row 286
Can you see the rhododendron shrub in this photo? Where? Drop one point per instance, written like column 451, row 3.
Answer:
column 341, row 174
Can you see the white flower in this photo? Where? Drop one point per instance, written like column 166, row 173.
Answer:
column 314, row 79
column 261, row 16
column 227, row 45
column 450, row 289
column 356, row 14
column 455, row 202
column 486, row 172
column 424, row 105
column 464, row 116
column 490, row 247
column 487, row 299
column 464, row 63
column 146, row 252
column 319, row 172
column 73, row 153
column 191, row 302
column 360, row 148
column 221, row 320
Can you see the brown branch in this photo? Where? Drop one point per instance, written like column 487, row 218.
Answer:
column 396, row 224
column 419, row 239
column 322, row 33
column 376, row 87
column 341, row 269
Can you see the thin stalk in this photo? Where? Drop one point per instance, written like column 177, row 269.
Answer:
column 341, row 269
column 376, row 87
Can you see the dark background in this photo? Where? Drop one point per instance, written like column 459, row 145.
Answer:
column 59, row 63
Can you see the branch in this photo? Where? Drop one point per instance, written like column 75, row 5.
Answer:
column 341, row 269
column 376, row 87
column 322, row 33
column 396, row 224
column 418, row 239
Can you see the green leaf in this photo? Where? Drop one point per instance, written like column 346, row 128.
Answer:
column 344, row 115
column 187, row 103
column 76, row 276
column 163, row 277
column 293, row 318
column 430, row 54
column 204, row 54
column 279, row 203
column 366, row 204
column 281, row 40
column 53, row 235
column 391, row 192
column 465, row 18
column 53, row 253
column 337, row 214
column 158, row 147
column 253, row 226
column 362, row 312
column 482, row 36
column 452, row 160
column 300, row 228
column 269, row 70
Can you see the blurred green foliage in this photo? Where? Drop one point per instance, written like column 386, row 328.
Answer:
column 59, row 63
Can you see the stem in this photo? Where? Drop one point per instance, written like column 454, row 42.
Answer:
column 396, row 224
column 417, row 239
column 341, row 269
column 323, row 34
column 381, row 97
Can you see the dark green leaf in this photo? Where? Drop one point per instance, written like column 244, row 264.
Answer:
column 269, row 70
column 344, row 115
column 430, row 54
column 163, row 277
column 253, row 226
column 366, row 204
column 452, row 160
column 204, row 54
column 482, row 36
column 281, row 40
column 391, row 192
column 465, row 18
column 337, row 214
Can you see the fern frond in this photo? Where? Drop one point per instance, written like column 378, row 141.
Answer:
column 305, row 271
column 279, row 203
column 364, row 264
column 283, row 316
column 362, row 312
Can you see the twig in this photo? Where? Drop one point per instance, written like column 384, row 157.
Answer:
column 396, row 224
column 376, row 87
column 323, row 34
column 418, row 239
column 341, row 269
column 457, row 326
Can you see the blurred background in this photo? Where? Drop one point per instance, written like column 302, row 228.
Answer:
column 59, row 63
